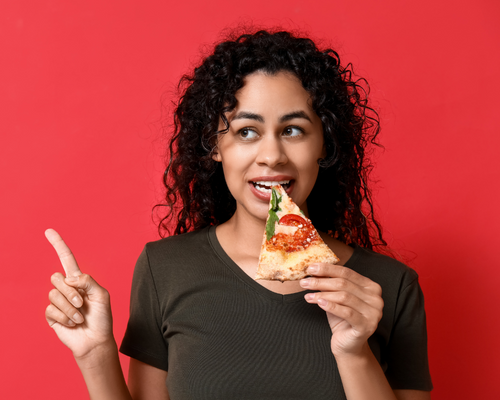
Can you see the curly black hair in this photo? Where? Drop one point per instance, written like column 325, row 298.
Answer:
column 340, row 202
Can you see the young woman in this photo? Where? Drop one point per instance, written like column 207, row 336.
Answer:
column 262, row 108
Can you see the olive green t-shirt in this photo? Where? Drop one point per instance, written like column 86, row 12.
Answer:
column 221, row 335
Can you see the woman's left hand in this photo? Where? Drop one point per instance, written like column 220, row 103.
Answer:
column 353, row 305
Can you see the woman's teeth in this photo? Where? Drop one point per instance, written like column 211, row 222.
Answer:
column 265, row 186
column 262, row 189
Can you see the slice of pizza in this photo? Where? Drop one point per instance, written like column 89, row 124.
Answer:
column 291, row 243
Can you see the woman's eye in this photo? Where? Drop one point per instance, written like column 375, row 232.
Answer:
column 247, row 133
column 293, row 131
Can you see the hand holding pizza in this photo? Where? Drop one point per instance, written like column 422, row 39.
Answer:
column 79, row 309
column 352, row 302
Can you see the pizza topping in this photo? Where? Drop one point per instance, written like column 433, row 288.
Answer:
column 275, row 201
column 287, row 230
column 273, row 217
column 283, row 238
column 292, row 220
column 271, row 223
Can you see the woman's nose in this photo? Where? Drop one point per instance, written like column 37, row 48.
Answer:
column 271, row 152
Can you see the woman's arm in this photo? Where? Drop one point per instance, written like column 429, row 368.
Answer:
column 412, row 395
column 146, row 382
column 80, row 314
column 104, row 378
column 363, row 378
column 103, row 374
column 353, row 304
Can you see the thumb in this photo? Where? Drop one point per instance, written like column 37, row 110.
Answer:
column 87, row 284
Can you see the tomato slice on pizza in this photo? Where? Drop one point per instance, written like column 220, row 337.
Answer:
column 291, row 243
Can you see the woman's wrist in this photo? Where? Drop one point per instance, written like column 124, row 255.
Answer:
column 359, row 356
column 362, row 376
column 98, row 356
column 102, row 373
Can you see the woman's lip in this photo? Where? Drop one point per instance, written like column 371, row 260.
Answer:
column 273, row 178
column 267, row 196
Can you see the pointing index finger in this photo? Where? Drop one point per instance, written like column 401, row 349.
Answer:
column 68, row 261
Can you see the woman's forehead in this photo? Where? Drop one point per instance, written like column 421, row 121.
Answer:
column 272, row 95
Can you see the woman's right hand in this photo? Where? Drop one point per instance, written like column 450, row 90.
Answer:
column 79, row 309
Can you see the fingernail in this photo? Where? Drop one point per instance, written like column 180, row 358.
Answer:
column 322, row 302
column 304, row 282
column 77, row 302
column 71, row 323
column 77, row 318
column 313, row 269
column 71, row 278
column 309, row 296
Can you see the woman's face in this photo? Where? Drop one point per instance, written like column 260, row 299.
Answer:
column 274, row 136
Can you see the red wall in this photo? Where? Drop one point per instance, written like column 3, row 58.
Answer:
column 80, row 152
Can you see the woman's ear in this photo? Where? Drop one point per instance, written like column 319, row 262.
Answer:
column 323, row 152
column 216, row 155
column 322, row 157
column 215, row 149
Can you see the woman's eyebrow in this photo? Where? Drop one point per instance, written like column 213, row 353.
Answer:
column 294, row 115
column 248, row 115
column 260, row 118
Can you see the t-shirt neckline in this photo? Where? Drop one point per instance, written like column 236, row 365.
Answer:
column 228, row 261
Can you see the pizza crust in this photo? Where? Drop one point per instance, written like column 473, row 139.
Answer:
column 280, row 266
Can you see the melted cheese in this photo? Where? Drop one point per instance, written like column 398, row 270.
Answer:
column 287, row 230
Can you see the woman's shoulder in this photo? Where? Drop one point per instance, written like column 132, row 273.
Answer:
column 184, row 257
column 178, row 247
column 381, row 268
column 193, row 238
column 388, row 272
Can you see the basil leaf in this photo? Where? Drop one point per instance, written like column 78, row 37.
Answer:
column 273, row 217
column 271, row 224
column 275, row 200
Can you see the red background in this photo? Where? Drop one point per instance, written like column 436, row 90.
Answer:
column 80, row 152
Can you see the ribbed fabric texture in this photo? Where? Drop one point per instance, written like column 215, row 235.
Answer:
column 221, row 335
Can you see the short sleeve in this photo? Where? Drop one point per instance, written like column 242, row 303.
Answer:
column 143, row 338
column 408, row 365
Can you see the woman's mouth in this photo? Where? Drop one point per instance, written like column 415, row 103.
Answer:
column 265, row 186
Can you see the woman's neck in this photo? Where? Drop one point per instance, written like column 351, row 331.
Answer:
column 243, row 232
column 241, row 238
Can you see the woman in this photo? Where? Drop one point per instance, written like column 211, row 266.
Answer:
column 262, row 108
